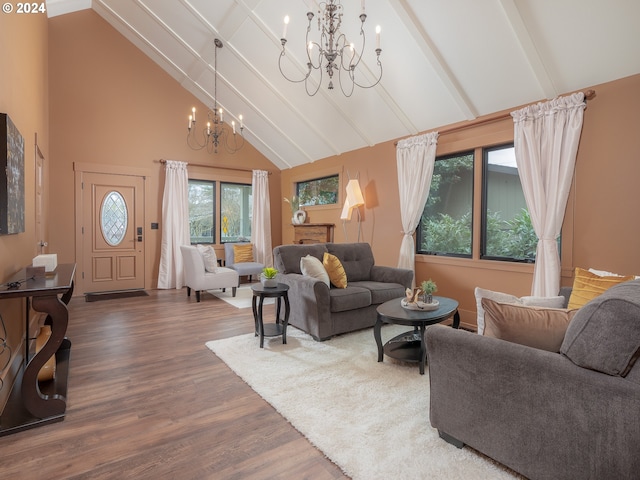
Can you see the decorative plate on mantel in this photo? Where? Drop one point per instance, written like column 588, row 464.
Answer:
column 425, row 307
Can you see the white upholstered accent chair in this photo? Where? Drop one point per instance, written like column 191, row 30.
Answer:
column 198, row 278
column 243, row 268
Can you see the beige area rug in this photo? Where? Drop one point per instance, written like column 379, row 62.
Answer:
column 242, row 299
column 371, row 419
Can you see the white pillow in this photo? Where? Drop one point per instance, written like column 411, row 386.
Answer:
column 209, row 257
column 312, row 267
column 604, row 273
column 530, row 301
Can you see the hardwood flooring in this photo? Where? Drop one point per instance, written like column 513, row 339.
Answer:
column 147, row 399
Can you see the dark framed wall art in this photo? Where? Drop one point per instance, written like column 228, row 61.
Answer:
column 11, row 177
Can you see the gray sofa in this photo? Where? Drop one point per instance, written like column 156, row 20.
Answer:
column 324, row 312
column 570, row 415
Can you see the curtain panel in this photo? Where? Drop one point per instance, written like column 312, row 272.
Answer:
column 415, row 160
column 546, row 138
column 261, row 220
column 175, row 224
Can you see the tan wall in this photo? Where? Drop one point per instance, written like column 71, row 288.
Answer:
column 112, row 106
column 24, row 97
column 600, row 228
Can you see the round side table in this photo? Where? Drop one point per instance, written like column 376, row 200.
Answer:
column 280, row 292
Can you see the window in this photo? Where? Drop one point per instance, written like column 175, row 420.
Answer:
column 446, row 226
column 507, row 232
column 202, row 202
column 505, row 228
column 114, row 218
column 319, row 191
column 235, row 212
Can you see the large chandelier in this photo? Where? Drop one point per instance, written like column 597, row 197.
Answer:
column 332, row 52
column 216, row 132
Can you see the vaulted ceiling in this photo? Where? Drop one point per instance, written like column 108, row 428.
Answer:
column 444, row 61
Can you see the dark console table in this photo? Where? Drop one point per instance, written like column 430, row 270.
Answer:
column 34, row 403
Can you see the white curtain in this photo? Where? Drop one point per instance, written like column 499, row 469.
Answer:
column 261, row 220
column 546, row 137
column 175, row 224
column 415, row 157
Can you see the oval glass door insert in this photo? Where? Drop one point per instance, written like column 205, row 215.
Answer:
column 113, row 218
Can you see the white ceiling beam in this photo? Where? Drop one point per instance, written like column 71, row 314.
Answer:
column 140, row 41
column 529, row 48
column 62, row 7
column 433, row 56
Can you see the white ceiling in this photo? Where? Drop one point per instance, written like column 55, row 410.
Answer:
column 444, row 61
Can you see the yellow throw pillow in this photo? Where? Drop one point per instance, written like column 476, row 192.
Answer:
column 243, row 253
column 334, row 268
column 588, row 285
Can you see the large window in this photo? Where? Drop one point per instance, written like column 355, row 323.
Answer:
column 202, row 203
column 235, row 212
column 507, row 231
column 504, row 224
column 446, row 224
column 319, row 191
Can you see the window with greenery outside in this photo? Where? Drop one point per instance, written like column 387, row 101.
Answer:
column 446, row 227
column 202, row 199
column 319, row 191
column 507, row 230
column 235, row 212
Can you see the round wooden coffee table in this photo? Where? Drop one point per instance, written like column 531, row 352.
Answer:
column 409, row 346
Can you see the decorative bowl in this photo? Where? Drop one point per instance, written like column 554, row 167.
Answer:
column 420, row 306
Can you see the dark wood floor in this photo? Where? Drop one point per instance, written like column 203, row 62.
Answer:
column 147, row 399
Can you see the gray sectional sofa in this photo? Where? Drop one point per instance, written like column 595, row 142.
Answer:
column 324, row 312
column 573, row 414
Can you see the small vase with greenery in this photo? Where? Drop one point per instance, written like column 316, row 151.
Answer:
column 268, row 277
column 428, row 288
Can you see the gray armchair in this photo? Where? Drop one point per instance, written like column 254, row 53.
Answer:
column 243, row 268
column 571, row 414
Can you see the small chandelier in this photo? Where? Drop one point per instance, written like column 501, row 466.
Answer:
column 332, row 52
column 216, row 131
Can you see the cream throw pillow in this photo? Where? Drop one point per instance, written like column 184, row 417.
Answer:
column 334, row 268
column 209, row 257
column 480, row 293
column 604, row 273
column 312, row 267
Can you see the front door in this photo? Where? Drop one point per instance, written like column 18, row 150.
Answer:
column 112, row 232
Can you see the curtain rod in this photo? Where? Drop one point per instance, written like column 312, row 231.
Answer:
column 588, row 95
column 237, row 169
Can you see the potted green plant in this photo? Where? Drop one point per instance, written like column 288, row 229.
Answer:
column 428, row 288
column 268, row 277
